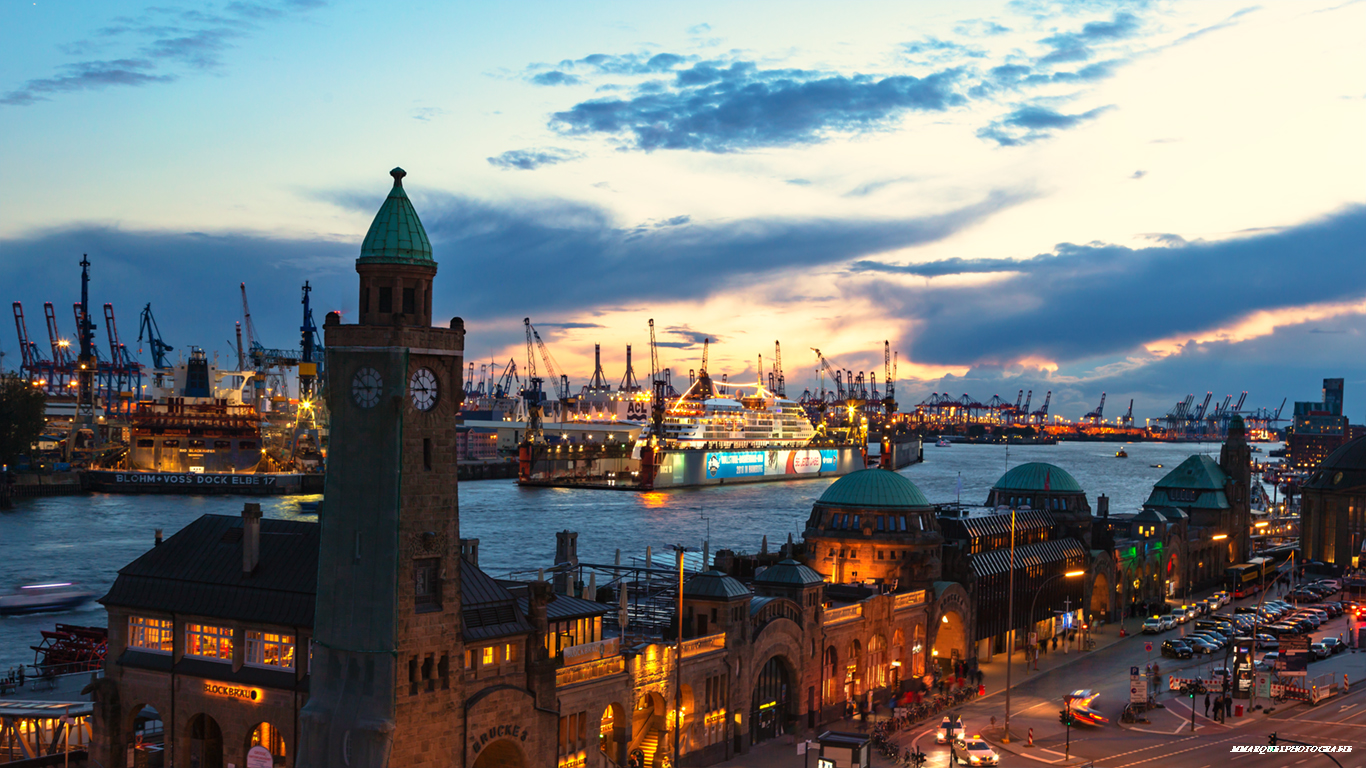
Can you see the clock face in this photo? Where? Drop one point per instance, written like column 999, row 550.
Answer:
column 422, row 388
column 366, row 386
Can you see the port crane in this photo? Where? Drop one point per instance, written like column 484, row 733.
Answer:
column 657, row 387
column 508, row 382
column 1095, row 416
column 628, row 380
column 531, row 393
column 888, row 379
column 1042, row 413
column 559, row 380
column 310, row 350
column 776, row 383
column 1127, row 420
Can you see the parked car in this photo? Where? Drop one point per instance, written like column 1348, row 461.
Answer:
column 1333, row 645
column 1153, row 626
column 1270, row 659
column 1177, row 649
column 1200, row 645
column 1319, row 651
column 1168, row 621
column 1268, row 642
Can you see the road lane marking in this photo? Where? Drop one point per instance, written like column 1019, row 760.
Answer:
column 1173, row 754
column 1348, row 706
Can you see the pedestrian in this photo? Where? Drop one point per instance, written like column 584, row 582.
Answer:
column 1228, row 706
column 1207, row 706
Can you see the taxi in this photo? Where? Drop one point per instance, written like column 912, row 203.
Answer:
column 950, row 729
column 973, row 750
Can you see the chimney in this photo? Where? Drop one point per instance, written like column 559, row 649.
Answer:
column 469, row 550
column 156, row 542
column 251, row 537
column 1103, row 505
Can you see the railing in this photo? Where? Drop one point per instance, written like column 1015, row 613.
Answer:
column 586, row 652
column 592, row 670
column 908, row 599
column 847, row 613
column 699, row 645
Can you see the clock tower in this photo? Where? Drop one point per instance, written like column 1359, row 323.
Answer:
column 386, row 686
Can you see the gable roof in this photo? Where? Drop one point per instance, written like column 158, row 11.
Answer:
column 487, row 608
column 1198, row 474
column 198, row 571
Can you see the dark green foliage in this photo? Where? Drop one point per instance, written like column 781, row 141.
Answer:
column 21, row 417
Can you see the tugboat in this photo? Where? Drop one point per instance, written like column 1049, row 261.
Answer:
column 37, row 598
column 1121, row 454
column 943, row 443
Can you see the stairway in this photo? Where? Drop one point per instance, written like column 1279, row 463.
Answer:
column 648, row 747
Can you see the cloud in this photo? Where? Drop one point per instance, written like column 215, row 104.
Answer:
column 698, row 29
column 86, row 76
column 979, row 28
column 1085, row 301
column 1139, row 174
column 426, row 114
column 531, row 159
column 1032, row 123
column 694, row 338
column 741, row 107
column 627, row 63
column 156, row 42
column 870, row 187
column 799, row 182
column 556, row 77
column 568, row 326
column 1076, row 46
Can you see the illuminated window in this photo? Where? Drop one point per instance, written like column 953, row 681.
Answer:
column 208, row 642
column 269, row 649
column 150, row 634
column 487, row 655
column 510, row 652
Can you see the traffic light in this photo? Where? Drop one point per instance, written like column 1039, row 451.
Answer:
column 1271, row 739
column 1066, row 718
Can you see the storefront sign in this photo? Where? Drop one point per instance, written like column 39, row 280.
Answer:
column 233, row 691
column 260, row 757
column 513, row 732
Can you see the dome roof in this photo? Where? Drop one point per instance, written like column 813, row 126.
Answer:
column 873, row 488
column 1344, row 467
column 396, row 235
column 789, row 573
column 714, row 585
column 1038, row 476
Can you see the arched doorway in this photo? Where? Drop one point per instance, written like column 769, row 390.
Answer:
column 950, row 640
column 830, row 677
column 771, row 703
column 853, row 672
column 877, row 662
column 268, row 736
column 898, row 658
column 612, row 734
column 1100, row 597
column 148, row 736
column 502, row 753
column 918, row 651
column 206, row 742
column 648, row 728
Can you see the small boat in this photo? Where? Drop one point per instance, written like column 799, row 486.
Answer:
column 1155, row 466
column 37, row 598
column 1121, row 454
column 942, row 443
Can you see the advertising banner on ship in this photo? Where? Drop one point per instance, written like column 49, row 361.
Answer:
column 771, row 463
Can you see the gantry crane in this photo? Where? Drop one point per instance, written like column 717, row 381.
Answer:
column 657, row 387
column 1095, row 416
column 558, row 380
column 531, row 393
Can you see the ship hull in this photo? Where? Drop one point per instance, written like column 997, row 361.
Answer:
column 690, row 468
column 200, row 483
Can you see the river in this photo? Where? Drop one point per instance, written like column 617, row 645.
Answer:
column 87, row 539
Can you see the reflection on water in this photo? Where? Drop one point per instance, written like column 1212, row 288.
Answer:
column 87, row 539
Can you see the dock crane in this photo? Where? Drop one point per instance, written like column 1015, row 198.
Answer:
column 825, row 369
column 1098, row 414
column 628, row 380
column 507, row 381
column 31, row 360
column 558, row 380
column 1024, row 411
column 309, row 346
column 1042, row 413
column 657, row 387
column 1127, row 420
column 705, row 388
column 531, row 393
column 888, row 379
column 775, row 379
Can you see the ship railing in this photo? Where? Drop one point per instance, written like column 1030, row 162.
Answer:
column 593, row 670
column 908, row 599
column 701, row 645
column 842, row 614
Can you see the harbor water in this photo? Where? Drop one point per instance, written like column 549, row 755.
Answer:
column 86, row 539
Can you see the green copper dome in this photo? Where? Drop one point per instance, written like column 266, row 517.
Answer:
column 1034, row 476
column 873, row 488
column 396, row 235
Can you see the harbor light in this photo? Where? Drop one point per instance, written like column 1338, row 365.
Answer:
column 1220, row 536
column 1071, row 574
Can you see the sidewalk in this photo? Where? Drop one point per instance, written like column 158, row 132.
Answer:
column 994, row 671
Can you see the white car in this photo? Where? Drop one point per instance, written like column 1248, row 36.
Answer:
column 950, row 729
column 1152, row 626
column 973, row 751
column 1168, row 621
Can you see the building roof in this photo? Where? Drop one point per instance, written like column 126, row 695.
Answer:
column 1038, row 476
column 198, row 571
column 1344, row 468
column 714, row 585
column 566, row 607
column 789, row 573
column 396, row 235
column 998, row 560
column 995, row 524
column 487, row 608
column 1200, row 474
column 873, row 488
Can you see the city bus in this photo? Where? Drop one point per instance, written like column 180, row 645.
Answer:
column 1246, row 579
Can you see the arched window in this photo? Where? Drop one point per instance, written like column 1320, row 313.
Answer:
column 830, row 663
column 877, row 662
column 853, row 677
column 918, row 650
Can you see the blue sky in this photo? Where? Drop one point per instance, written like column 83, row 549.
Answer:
column 1145, row 198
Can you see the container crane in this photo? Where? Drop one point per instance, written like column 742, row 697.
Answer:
column 1042, row 413
column 1098, row 414
column 657, row 386
column 558, row 379
column 151, row 334
column 628, row 381
column 31, row 360
column 531, row 393
column 778, row 384
column 1127, row 420
column 309, row 349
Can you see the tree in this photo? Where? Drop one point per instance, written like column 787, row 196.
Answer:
column 21, row 416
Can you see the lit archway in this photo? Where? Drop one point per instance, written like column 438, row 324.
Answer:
column 612, row 734
column 206, row 742
column 270, row 737
column 502, row 753
column 853, row 670
column 1100, row 597
column 950, row 640
column 877, row 662
column 830, row 675
column 771, row 704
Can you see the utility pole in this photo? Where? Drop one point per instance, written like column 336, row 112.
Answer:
column 678, row 657
column 1010, row 622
